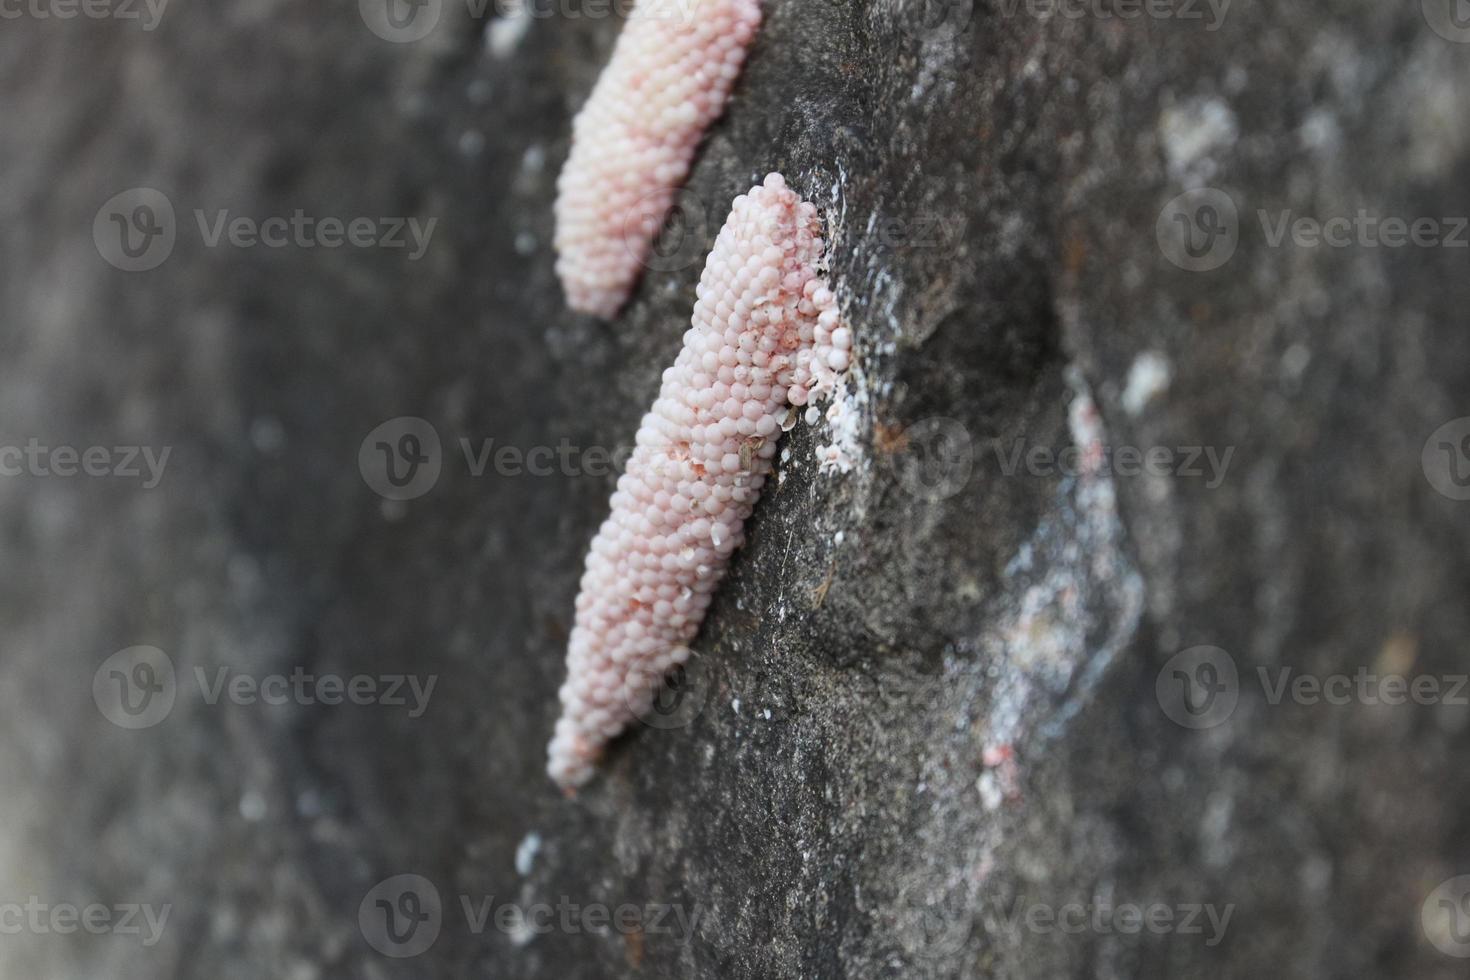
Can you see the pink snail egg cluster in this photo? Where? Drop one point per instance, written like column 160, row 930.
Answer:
column 764, row 337
column 633, row 142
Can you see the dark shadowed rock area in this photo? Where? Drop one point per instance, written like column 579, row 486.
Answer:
column 1087, row 665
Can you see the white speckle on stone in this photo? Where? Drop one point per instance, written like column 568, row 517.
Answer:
column 1147, row 379
column 991, row 795
column 252, row 806
column 526, row 852
column 1191, row 132
column 533, row 161
column 1437, row 131
column 309, row 804
column 735, row 705
column 267, row 435
column 505, row 33
column 844, row 420
column 521, row 930
column 1236, row 79
column 471, row 143
column 525, row 243
column 1295, row 361
column 1320, row 132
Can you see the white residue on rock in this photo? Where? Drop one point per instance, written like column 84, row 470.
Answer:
column 1147, row 379
column 506, row 32
column 526, row 853
column 1191, row 132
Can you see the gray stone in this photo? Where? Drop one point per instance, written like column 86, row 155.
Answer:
column 936, row 724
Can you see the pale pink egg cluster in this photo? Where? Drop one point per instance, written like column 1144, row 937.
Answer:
column 632, row 144
column 764, row 337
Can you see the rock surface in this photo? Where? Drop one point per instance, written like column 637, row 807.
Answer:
column 936, row 708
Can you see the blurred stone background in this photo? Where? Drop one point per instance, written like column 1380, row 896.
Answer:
column 1130, row 450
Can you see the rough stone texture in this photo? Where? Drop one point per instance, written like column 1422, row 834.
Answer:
column 918, row 707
